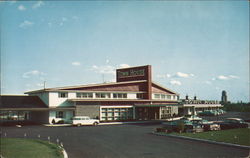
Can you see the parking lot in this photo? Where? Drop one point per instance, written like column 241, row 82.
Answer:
column 123, row 141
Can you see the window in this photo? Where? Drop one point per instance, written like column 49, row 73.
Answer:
column 157, row 96
column 63, row 95
column 139, row 96
column 168, row 97
column 163, row 96
column 59, row 114
column 120, row 95
column 102, row 95
column 84, row 95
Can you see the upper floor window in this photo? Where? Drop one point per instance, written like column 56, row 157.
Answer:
column 139, row 96
column 84, row 95
column 102, row 95
column 63, row 95
column 120, row 95
column 163, row 96
column 157, row 96
column 168, row 97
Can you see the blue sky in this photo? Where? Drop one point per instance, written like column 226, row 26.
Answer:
column 195, row 47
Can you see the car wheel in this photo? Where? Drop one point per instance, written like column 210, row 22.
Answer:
column 78, row 124
column 95, row 123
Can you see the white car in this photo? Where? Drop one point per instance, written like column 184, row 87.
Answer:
column 84, row 120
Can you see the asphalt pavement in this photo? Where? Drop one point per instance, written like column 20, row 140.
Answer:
column 123, row 141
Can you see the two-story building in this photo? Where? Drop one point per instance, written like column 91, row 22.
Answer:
column 133, row 97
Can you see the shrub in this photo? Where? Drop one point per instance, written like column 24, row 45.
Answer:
column 180, row 127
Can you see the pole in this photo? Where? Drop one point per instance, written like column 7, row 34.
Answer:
column 44, row 84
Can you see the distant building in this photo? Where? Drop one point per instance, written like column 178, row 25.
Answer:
column 224, row 97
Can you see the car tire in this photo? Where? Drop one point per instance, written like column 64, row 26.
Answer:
column 95, row 123
column 78, row 125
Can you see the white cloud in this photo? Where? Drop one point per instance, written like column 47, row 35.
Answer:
column 221, row 77
column 224, row 77
column 183, row 75
column 177, row 75
column 105, row 69
column 233, row 77
column 37, row 4
column 21, row 7
column 175, row 82
column 76, row 63
column 107, row 61
column 123, row 66
column 33, row 73
column 26, row 24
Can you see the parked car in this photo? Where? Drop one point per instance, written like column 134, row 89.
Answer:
column 84, row 120
column 220, row 111
column 208, row 113
column 231, row 123
column 207, row 125
column 182, row 125
column 192, row 117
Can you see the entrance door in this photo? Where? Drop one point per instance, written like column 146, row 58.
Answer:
column 147, row 113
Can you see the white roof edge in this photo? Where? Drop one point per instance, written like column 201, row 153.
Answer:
column 83, row 86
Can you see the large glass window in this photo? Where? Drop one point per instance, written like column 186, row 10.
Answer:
column 63, row 95
column 14, row 115
column 116, row 113
column 165, row 112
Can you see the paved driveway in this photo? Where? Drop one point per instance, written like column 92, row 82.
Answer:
column 124, row 141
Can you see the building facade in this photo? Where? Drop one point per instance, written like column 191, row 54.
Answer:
column 134, row 96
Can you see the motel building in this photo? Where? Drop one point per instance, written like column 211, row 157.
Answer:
column 134, row 96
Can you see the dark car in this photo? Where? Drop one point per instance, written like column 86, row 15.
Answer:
column 207, row 125
column 231, row 123
column 183, row 125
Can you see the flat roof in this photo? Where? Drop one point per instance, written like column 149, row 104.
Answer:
column 21, row 102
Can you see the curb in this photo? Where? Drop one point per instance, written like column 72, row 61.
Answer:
column 204, row 140
column 123, row 123
column 65, row 155
column 56, row 125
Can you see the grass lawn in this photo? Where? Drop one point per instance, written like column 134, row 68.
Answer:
column 28, row 148
column 235, row 136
